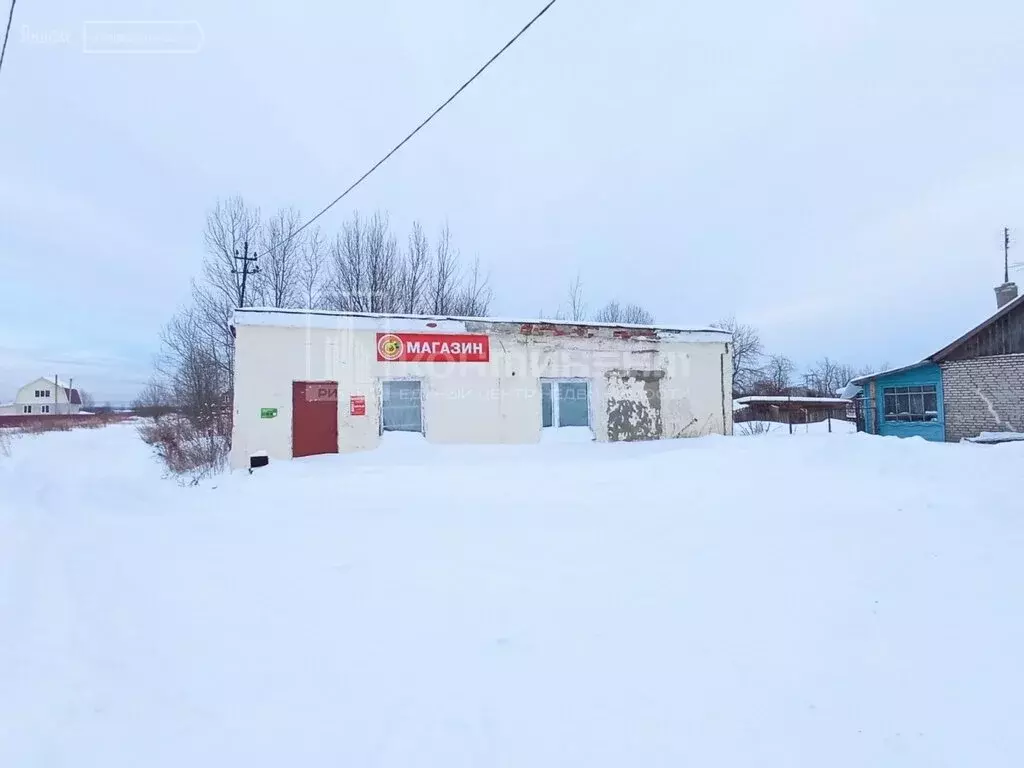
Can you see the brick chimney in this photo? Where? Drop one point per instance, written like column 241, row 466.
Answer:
column 1005, row 293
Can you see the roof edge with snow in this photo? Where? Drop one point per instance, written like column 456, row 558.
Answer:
column 889, row 372
column 332, row 320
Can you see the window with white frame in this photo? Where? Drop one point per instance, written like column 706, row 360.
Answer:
column 44, row 409
column 26, row 409
column 42, row 393
column 565, row 403
column 911, row 403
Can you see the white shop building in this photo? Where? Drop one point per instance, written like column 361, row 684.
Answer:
column 324, row 382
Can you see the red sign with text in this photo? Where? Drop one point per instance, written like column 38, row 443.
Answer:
column 357, row 405
column 433, row 348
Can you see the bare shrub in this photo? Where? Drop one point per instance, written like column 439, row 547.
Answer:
column 190, row 453
column 40, row 425
column 750, row 428
column 5, row 442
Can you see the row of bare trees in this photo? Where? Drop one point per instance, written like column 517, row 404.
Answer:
column 756, row 372
column 364, row 267
column 614, row 311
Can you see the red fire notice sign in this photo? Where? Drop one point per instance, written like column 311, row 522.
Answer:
column 357, row 405
column 433, row 348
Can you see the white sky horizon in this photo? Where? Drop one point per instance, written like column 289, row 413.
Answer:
column 837, row 175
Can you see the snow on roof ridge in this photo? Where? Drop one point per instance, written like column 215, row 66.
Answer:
column 463, row 319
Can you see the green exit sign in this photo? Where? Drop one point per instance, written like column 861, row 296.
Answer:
column 268, row 413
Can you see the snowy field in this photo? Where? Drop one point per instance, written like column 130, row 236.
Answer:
column 820, row 600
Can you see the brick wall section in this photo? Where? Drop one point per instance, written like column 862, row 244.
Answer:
column 985, row 394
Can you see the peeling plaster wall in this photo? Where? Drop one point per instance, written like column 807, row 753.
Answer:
column 634, row 405
column 494, row 402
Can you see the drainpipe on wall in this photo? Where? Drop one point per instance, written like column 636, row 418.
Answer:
column 721, row 378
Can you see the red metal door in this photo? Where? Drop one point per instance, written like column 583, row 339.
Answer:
column 314, row 417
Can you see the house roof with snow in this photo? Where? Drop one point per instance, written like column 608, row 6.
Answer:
column 943, row 354
column 784, row 399
column 386, row 321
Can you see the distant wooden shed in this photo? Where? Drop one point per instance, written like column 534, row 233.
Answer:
column 790, row 410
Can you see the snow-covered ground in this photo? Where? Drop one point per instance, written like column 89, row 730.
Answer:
column 833, row 600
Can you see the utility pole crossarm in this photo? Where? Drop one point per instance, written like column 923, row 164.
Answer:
column 245, row 271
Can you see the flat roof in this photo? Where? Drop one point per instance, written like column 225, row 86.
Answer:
column 332, row 320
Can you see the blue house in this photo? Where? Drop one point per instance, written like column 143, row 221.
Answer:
column 973, row 385
column 902, row 402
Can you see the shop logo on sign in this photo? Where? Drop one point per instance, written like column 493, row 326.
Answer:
column 433, row 348
column 389, row 347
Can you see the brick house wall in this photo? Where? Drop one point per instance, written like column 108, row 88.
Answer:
column 983, row 394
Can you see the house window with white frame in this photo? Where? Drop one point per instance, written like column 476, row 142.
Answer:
column 26, row 409
column 565, row 403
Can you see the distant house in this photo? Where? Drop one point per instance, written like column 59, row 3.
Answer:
column 973, row 385
column 44, row 397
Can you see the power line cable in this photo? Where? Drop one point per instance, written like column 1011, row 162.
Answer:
column 419, row 127
column 10, row 18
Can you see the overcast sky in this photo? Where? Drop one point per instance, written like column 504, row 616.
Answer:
column 835, row 173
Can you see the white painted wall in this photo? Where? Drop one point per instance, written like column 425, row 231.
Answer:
column 494, row 402
column 57, row 399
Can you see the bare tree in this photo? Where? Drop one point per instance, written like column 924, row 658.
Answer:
column 346, row 288
column 614, row 312
column 153, row 401
column 415, row 273
column 192, row 373
column 232, row 227
column 609, row 313
column 824, row 377
column 634, row 313
column 87, row 399
column 474, row 299
column 311, row 270
column 281, row 259
column 844, row 373
column 776, row 376
column 382, row 266
column 746, row 354
column 443, row 287
column 577, row 306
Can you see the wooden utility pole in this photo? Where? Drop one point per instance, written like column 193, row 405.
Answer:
column 245, row 271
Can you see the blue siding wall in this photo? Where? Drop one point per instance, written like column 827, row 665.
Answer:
column 929, row 373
